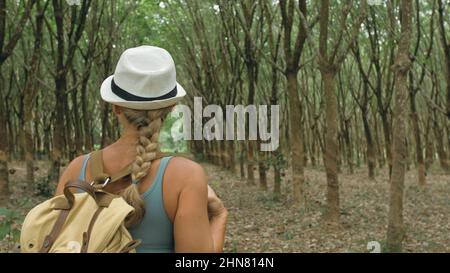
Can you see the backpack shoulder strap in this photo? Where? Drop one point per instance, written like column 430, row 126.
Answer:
column 98, row 174
column 97, row 164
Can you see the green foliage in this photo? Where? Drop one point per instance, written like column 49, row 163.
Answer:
column 279, row 160
column 269, row 200
column 214, row 184
column 168, row 143
column 288, row 235
column 44, row 188
column 10, row 220
column 234, row 246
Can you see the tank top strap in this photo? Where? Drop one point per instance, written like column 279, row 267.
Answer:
column 162, row 168
column 156, row 186
column 82, row 174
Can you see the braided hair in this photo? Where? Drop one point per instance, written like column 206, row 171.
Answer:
column 148, row 123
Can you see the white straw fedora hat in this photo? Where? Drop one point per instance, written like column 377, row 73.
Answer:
column 144, row 79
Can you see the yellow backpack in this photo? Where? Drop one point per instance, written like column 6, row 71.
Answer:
column 83, row 222
column 93, row 221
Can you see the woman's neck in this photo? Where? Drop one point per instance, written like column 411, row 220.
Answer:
column 129, row 137
column 126, row 144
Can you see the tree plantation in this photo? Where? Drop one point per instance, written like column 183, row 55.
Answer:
column 352, row 144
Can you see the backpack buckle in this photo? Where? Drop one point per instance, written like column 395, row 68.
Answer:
column 106, row 182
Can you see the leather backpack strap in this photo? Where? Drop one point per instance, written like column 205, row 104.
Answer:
column 98, row 173
column 130, row 246
column 56, row 230
column 97, row 165
column 80, row 185
column 87, row 234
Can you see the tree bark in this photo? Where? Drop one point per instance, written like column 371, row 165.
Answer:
column 58, row 131
column 241, row 160
column 295, row 141
column 250, row 163
column 395, row 231
column 292, row 57
column 446, row 48
column 331, row 147
column 440, row 147
column 387, row 139
column 370, row 150
column 231, row 160
column 329, row 65
column 30, row 93
column 4, row 176
column 78, row 147
column 64, row 59
column 6, row 49
column 429, row 151
column 417, row 138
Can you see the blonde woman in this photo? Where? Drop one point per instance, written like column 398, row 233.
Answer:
column 175, row 209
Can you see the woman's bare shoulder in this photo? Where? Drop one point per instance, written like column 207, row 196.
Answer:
column 70, row 172
column 75, row 165
column 186, row 171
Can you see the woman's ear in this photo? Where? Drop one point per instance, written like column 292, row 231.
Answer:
column 116, row 109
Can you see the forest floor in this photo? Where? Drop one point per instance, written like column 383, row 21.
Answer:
column 259, row 222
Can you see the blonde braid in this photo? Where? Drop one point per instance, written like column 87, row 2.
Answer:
column 148, row 123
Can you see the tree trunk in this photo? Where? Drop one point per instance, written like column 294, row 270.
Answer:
column 446, row 48
column 371, row 162
column 277, row 172
column 313, row 152
column 250, row 163
column 331, row 147
column 429, row 151
column 348, row 145
column 231, row 159
column 262, row 169
column 77, row 119
column 68, row 146
column 440, row 148
column 387, row 139
column 88, row 146
column 395, row 231
column 295, row 141
column 4, row 177
column 105, row 124
column 416, row 129
column 379, row 146
column 241, row 159
column 30, row 93
column 224, row 154
column 58, row 131
column 6, row 49
column 219, row 151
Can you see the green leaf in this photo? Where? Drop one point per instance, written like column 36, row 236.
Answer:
column 4, row 230
column 6, row 212
column 16, row 235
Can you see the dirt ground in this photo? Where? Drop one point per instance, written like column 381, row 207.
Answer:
column 259, row 222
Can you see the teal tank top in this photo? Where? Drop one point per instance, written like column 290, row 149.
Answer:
column 156, row 230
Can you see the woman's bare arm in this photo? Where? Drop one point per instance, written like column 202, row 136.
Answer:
column 192, row 231
column 218, row 216
column 71, row 172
